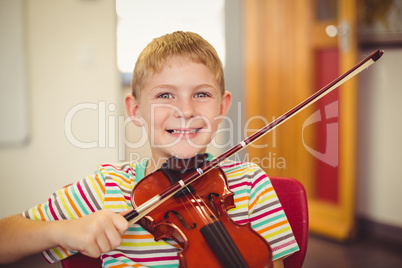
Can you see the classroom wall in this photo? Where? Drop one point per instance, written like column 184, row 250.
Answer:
column 380, row 145
column 72, row 81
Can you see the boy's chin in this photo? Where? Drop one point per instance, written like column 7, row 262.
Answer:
column 186, row 153
column 184, row 156
column 182, row 150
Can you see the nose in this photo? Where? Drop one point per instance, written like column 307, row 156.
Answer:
column 186, row 109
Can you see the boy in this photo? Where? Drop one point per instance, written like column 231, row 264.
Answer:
column 179, row 98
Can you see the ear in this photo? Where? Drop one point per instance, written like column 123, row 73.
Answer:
column 225, row 103
column 132, row 110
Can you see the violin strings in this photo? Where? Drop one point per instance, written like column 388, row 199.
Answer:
column 219, row 236
column 206, row 219
column 188, row 211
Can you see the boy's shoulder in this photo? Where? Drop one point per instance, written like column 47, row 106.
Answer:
column 232, row 166
column 129, row 168
column 117, row 168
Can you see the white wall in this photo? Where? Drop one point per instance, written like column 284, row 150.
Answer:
column 380, row 140
column 71, row 60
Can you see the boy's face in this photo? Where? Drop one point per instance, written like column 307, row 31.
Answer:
column 180, row 107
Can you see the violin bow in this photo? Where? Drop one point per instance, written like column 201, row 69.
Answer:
column 139, row 212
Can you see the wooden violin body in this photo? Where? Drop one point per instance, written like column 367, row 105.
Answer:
column 199, row 223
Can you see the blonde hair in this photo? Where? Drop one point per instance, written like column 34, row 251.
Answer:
column 186, row 44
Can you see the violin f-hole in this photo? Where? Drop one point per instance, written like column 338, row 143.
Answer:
column 180, row 218
column 213, row 206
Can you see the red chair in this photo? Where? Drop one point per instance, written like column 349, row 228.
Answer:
column 292, row 196
column 81, row 261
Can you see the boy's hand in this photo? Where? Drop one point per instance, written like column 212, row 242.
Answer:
column 94, row 234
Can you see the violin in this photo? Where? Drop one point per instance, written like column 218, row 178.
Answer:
column 187, row 201
column 196, row 218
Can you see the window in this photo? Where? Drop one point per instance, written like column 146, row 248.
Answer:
column 140, row 21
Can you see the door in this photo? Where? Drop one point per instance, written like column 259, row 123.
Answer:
column 292, row 49
column 332, row 208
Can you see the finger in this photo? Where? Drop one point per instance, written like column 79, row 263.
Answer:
column 113, row 229
column 103, row 242
column 92, row 250
column 124, row 212
column 98, row 241
column 121, row 223
column 114, row 237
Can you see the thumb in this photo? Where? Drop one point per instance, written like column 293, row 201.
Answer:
column 124, row 212
column 120, row 222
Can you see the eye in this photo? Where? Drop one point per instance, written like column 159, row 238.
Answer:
column 202, row 95
column 165, row 96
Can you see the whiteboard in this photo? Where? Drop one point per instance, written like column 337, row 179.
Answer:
column 13, row 82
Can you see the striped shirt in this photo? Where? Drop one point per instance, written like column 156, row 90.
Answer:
column 110, row 188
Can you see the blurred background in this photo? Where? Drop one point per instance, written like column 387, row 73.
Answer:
column 65, row 67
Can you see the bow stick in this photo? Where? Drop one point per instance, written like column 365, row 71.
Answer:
column 136, row 214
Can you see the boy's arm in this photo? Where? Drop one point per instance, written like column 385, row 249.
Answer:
column 278, row 263
column 91, row 235
column 20, row 237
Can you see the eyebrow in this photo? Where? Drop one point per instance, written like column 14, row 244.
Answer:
column 172, row 87
column 206, row 85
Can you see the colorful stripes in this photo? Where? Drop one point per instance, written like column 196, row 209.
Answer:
column 110, row 188
column 257, row 203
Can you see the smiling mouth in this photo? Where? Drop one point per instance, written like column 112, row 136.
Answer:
column 188, row 131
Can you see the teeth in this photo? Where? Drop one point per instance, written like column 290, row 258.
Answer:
column 184, row 131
